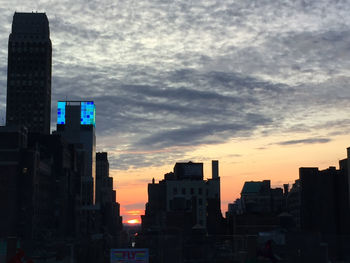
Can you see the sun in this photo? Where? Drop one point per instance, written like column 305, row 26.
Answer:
column 133, row 221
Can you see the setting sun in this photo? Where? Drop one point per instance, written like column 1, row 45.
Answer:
column 133, row 221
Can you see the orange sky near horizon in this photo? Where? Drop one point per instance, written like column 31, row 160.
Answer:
column 239, row 161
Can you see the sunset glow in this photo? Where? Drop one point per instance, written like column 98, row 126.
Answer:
column 277, row 163
column 134, row 212
column 133, row 221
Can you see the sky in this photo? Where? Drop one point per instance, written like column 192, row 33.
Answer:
column 260, row 85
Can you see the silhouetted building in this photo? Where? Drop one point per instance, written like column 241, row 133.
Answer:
column 188, row 171
column 106, row 199
column 183, row 199
column 29, row 73
column 76, row 123
column 182, row 210
column 234, row 208
column 259, row 197
column 258, row 213
column 17, row 166
column 104, row 183
column 293, row 203
column 47, row 187
column 324, row 200
column 39, row 190
column 324, row 207
column 58, row 190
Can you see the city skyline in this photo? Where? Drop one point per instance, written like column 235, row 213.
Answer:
column 259, row 86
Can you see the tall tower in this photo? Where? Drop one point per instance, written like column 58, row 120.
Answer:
column 76, row 123
column 29, row 73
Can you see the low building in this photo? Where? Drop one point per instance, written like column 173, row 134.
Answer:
column 182, row 209
column 183, row 199
column 259, row 197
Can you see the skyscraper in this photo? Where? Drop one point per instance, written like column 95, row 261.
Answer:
column 29, row 73
column 76, row 124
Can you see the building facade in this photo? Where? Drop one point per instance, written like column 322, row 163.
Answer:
column 76, row 123
column 29, row 73
column 183, row 216
column 184, row 200
column 106, row 199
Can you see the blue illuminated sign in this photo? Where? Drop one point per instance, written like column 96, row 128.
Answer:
column 87, row 112
column 61, row 112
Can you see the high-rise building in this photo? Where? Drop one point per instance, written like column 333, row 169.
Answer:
column 106, row 198
column 29, row 73
column 76, row 123
column 324, row 207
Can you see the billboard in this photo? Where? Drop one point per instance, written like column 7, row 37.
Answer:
column 87, row 112
column 61, row 112
column 129, row 255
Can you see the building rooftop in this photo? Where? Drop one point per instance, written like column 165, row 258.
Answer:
column 252, row 187
column 30, row 24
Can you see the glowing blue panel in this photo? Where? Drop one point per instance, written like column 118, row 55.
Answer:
column 61, row 112
column 87, row 115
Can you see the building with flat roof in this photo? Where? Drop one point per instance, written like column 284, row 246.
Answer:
column 259, row 197
column 183, row 217
column 28, row 99
column 183, row 199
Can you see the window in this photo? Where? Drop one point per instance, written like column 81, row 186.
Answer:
column 200, row 191
column 192, row 191
column 174, row 190
column 183, row 191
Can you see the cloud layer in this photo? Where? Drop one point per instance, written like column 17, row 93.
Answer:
column 168, row 76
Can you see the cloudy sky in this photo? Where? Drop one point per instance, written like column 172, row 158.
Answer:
column 260, row 85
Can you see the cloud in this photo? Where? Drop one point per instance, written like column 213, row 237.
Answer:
column 135, row 206
column 305, row 141
column 170, row 76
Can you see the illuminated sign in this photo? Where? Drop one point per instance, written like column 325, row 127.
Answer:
column 87, row 112
column 129, row 255
column 61, row 112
